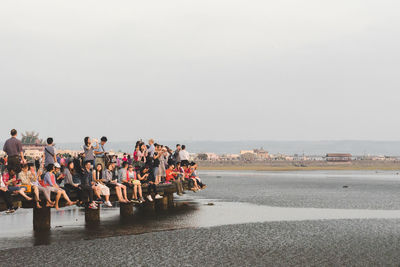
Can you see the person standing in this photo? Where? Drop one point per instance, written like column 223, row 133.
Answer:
column 176, row 153
column 151, row 149
column 49, row 153
column 184, row 156
column 100, row 153
column 13, row 148
column 89, row 149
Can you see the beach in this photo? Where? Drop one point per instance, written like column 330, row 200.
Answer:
column 359, row 165
column 243, row 218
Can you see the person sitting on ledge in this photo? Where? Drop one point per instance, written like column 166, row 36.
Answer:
column 100, row 186
column 172, row 177
column 69, row 185
column 137, row 187
column 120, row 189
column 27, row 178
column 37, row 182
column 14, row 184
column 188, row 176
column 6, row 195
column 147, row 178
column 50, row 182
column 194, row 175
column 87, row 185
column 124, row 178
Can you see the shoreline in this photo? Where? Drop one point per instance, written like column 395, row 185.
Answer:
column 285, row 167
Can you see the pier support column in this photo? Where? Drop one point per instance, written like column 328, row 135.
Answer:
column 149, row 206
column 170, row 200
column 162, row 204
column 41, row 219
column 126, row 209
column 92, row 215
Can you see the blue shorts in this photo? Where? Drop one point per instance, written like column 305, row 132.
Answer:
column 16, row 188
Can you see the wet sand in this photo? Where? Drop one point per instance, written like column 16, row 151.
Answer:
column 258, row 219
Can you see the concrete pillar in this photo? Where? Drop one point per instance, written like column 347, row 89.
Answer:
column 126, row 209
column 162, row 204
column 148, row 206
column 92, row 215
column 170, row 200
column 41, row 219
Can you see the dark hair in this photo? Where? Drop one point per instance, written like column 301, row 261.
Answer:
column 49, row 141
column 178, row 145
column 13, row 132
column 86, row 140
column 50, row 167
column 104, row 139
column 86, row 162
column 24, row 166
column 183, row 147
column 72, row 171
column 124, row 164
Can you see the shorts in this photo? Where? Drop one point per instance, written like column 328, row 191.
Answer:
column 136, row 182
column 15, row 188
column 105, row 191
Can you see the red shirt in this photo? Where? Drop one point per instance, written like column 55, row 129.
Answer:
column 169, row 175
column 188, row 171
column 6, row 178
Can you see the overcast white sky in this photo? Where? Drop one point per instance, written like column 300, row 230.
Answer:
column 201, row 70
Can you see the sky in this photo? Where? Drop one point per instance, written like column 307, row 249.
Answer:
column 201, row 70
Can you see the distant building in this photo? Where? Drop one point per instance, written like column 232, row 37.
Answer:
column 255, row 154
column 31, row 141
column 338, row 157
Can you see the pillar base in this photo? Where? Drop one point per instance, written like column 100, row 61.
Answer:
column 41, row 219
column 162, row 204
column 92, row 215
column 126, row 209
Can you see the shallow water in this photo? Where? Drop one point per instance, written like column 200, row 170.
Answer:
column 237, row 198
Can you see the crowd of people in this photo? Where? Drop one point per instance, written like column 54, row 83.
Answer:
column 93, row 173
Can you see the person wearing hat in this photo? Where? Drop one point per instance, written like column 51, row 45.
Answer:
column 57, row 172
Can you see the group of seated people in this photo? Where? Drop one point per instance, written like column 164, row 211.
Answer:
column 150, row 165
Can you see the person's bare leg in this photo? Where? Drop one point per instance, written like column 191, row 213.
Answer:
column 36, row 191
column 134, row 196
column 119, row 194
column 107, row 197
column 96, row 191
column 140, row 191
column 69, row 202
column 58, row 199
column 22, row 193
column 125, row 193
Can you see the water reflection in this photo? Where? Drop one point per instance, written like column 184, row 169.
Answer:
column 69, row 224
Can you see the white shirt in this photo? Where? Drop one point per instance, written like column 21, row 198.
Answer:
column 183, row 155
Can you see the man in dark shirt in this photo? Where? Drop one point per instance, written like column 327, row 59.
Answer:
column 13, row 148
column 86, row 185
